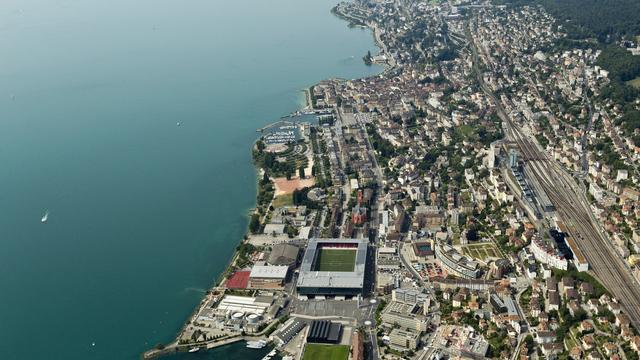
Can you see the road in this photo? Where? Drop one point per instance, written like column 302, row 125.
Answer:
column 583, row 141
column 573, row 207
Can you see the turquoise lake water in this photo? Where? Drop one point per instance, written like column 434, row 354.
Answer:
column 143, row 214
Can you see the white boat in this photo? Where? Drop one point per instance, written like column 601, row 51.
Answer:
column 194, row 350
column 45, row 217
column 256, row 344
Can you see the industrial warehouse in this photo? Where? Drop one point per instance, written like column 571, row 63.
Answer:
column 333, row 267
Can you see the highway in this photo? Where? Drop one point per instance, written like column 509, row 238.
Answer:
column 573, row 208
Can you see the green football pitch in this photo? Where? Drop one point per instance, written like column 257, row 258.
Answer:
column 335, row 260
column 326, row 352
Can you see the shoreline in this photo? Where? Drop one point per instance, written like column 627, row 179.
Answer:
column 174, row 346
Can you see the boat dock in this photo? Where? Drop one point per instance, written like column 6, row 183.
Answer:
column 174, row 347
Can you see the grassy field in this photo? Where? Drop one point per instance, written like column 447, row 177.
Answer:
column 635, row 83
column 335, row 260
column 326, row 352
column 282, row 200
column 481, row 251
column 465, row 130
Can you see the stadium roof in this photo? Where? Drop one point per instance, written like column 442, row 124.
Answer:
column 333, row 279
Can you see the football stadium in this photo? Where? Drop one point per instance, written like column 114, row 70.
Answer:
column 333, row 267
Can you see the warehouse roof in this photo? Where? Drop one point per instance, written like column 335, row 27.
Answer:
column 283, row 254
column 269, row 271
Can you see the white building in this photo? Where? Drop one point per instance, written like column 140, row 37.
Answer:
column 547, row 254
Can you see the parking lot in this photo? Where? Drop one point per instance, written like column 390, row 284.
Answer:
column 347, row 309
column 429, row 270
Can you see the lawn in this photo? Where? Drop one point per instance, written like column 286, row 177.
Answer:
column 326, row 352
column 465, row 131
column 282, row 200
column 335, row 260
column 480, row 251
column 635, row 83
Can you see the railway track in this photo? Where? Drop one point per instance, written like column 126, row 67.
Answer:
column 573, row 208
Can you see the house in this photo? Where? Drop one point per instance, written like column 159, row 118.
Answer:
column 566, row 284
column 552, row 349
column 575, row 353
column 603, row 320
column 622, row 320
column 593, row 305
column 545, row 337
column 457, row 300
column 610, row 348
column 635, row 343
column 588, row 342
column 586, row 289
column 554, row 301
column 543, row 317
column 572, row 294
column 574, row 307
column 534, row 307
column 626, row 332
column 594, row 355
column 604, row 299
column 614, row 307
column 586, row 326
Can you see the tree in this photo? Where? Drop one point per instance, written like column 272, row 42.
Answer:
column 472, row 233
column 254, row 224
column 529, row 341
column 301, row 172
column 260, row 146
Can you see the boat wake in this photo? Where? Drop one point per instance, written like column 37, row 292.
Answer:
column 45, row 217
column 195, row 289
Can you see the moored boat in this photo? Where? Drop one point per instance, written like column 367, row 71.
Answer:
column 256, row 344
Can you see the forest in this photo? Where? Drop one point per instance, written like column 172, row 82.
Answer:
column 620, row 63
column 623, row 67
column 606, row 20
